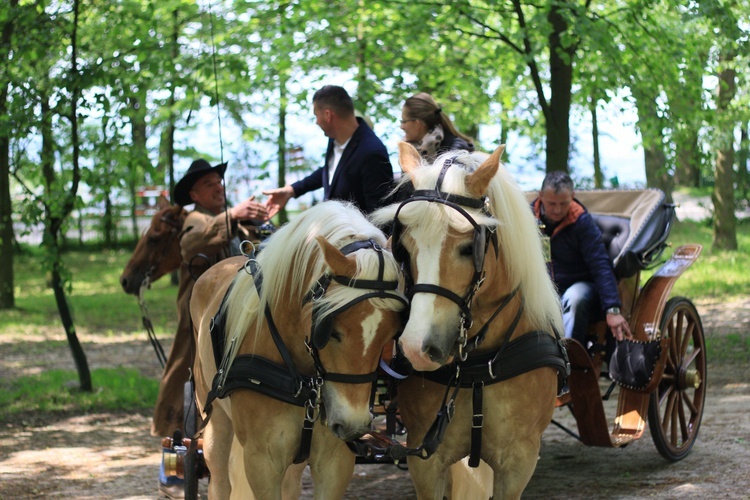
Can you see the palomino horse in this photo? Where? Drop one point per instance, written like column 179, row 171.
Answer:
column 481, row 303
column 324, row 276
column 158, row 251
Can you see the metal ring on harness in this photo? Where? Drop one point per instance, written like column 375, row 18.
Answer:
column 251, row 254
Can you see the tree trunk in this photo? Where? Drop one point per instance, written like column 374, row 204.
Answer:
column 281, row 143
column 561, row 80
column 688, row 168
column 7, row 235
column 725, row 237
column 598, row 175
column 109, row 227
column 57, row 213
column 650, row 126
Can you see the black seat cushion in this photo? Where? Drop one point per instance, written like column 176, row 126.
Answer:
column 615, row 232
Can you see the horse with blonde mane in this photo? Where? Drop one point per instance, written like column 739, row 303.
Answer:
column 304, row 325
column 482, row 329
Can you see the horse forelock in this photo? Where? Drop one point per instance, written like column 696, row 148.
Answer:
column 291, row 261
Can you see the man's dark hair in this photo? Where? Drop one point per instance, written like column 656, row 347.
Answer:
column 335, row 98
column 557, row 181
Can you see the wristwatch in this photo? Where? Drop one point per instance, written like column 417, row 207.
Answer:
column 613, row 310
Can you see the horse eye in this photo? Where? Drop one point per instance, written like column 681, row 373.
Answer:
column 336, row 335
column 153, row 240
column 466, row 250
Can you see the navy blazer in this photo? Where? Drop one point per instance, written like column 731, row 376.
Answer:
column 363, row 176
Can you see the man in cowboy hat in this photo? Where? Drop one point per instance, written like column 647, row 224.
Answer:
column 211, row 232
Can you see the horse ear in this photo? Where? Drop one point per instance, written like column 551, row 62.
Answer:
column 477, row 182
column 340, row 264
column 408, row 157
column 162, row 202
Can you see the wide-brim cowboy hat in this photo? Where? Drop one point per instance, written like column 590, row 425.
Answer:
column 199, row 168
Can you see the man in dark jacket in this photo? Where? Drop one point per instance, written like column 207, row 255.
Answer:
column 581, row 268
column 357, row 167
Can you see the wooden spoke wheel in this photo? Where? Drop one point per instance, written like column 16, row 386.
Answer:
column 676, row 406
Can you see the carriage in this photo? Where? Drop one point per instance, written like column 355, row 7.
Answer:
column 635, row 226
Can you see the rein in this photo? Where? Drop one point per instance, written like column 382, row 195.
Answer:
column 146, row 284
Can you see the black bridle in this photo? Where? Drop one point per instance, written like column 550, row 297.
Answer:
column 483, row 236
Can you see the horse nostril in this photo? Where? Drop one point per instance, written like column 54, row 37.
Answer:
column 124, row 282
column 434, row 353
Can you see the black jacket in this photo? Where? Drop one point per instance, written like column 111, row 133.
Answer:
column 363, row 176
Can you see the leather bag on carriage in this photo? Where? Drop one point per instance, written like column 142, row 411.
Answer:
column 636, row 364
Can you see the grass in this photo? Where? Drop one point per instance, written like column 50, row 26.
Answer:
column 99, row 305
column 717, row 274
column 100, row 308
column 56, row 391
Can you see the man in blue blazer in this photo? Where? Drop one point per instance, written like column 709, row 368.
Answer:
column 357, row 167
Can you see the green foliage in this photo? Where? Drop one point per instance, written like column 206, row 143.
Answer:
column 56, row 391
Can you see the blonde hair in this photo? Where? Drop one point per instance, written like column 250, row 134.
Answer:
column 423, row 107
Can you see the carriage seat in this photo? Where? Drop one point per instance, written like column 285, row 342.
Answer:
column 635, row 225
column 615, row 233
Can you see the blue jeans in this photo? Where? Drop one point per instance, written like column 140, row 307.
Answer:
column 580, row 305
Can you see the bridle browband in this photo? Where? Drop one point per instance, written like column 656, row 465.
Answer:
column 480, row 248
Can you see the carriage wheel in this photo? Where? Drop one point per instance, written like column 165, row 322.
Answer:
column 191, row 459
column 676, row 406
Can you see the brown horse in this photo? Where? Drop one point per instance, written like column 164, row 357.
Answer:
column 325, row 276
column 158, row 251
column 471, row 248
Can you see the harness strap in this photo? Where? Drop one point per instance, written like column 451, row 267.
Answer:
column 275, row 335
column 305, row 444
column 477, row 421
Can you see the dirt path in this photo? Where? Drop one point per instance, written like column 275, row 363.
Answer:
column 113, row 456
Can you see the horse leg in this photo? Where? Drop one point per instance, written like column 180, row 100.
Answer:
column 331, row 465
column 515, row 471
column 237, row 477
column 429, row 476
column 291, row 488
column 217, row 442
column 468, row 483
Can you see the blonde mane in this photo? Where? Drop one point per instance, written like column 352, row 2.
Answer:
column 291, row 261
column 518, row 234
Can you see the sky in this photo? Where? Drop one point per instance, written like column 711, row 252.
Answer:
column 621, row 154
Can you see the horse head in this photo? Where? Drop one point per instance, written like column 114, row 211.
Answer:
column 350, row 339
column 467, row 239
column 158, row 251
